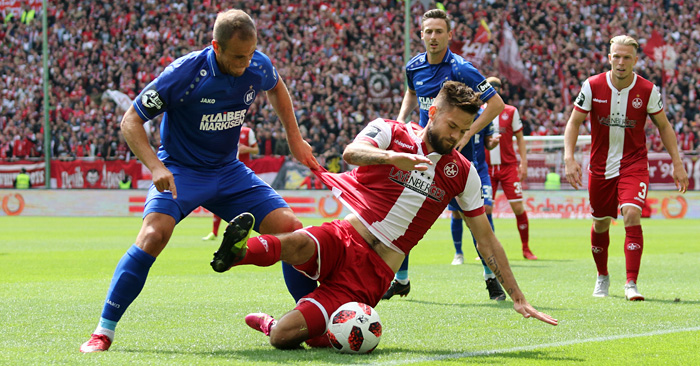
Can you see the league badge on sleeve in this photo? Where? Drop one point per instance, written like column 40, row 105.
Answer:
column 152, row 101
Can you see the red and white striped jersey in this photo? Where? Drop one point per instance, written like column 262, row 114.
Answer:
column 618, row 141
column 398, row 206
column 247, row 138
column 507, row 123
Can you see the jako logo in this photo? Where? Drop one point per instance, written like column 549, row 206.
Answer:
column 633, row 246
column 208, row 100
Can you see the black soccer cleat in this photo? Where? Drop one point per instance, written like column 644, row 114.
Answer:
column 397, row 289
column 495, row 290
column 234, row 245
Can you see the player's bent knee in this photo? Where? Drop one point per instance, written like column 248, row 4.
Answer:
column 297, row 248
column 281, row 220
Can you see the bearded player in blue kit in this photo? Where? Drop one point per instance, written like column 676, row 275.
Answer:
column 426, row 73
column 204, row 96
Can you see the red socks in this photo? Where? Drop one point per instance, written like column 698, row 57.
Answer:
column 599, row 247
column 634, row 243
column 262, row 251
column 216, row 222
column 523, row 229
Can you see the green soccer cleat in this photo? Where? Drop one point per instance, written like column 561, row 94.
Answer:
column 234, row 245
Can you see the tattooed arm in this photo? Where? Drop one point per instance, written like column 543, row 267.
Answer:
column 363, row 153
column 495, row 257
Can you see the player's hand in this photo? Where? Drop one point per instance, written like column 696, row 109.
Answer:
column 680, row 177
column 522, row 172
column 524, row 308
column 463, row 142
column 573, row 173
column 408, row 162
column 164, row 181
column 303, row 152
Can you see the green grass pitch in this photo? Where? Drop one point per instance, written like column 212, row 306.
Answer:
column 54, row 274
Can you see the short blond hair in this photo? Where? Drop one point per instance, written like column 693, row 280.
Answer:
column 625, row 40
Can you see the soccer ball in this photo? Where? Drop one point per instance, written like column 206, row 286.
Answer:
column 355, row 328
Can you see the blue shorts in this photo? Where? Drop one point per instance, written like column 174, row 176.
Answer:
column 486, row 188
column 227, row 192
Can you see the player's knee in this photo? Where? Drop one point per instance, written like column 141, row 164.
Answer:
column 281, row 220
column 285, row 335
column 297, row 248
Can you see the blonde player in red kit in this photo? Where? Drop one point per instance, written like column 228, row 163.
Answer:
column 619, row 102
column 504, row 168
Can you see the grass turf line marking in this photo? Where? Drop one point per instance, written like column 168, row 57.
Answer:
column 536, row 346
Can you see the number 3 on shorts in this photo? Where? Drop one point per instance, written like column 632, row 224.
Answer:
column 643, row 192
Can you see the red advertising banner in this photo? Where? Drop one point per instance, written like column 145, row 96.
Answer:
column 36, row 171
column 93, row 174
column 15, row 6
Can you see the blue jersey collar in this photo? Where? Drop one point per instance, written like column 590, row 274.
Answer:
column 211, row 60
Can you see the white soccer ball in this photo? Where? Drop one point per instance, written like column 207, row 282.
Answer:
column 355, row 328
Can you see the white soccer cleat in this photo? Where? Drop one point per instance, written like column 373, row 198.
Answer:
column 459, row 259
column 631, row 292
column 602, row 285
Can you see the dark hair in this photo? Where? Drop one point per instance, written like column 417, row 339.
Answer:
column 459, row 95
column 233, row 22
column 437, row 14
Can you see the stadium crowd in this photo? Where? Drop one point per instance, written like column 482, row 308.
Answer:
column 326, row 51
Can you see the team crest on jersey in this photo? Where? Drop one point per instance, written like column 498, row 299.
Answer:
column 451, row 170
column 249, row 96
column 637, row 103
column 504, row 116
column 151, row 99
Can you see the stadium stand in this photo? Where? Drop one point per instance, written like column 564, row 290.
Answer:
column 327, row 51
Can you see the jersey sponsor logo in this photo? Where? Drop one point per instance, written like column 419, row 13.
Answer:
column 222, row 121
column 425, row 102
column 599, row 100
column 617, row 121
column 419, row 83
column 451, row 170
column 417, row 182
column 580, row 100
column 249, row 97
column 151, row 100
column 404, row 145
column 633, row 246
column 483, row 86
column 637, row 103
column 208, row 100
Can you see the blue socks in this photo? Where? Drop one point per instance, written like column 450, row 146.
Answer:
column 457, row 230
column 297, row 283
column 127, row 282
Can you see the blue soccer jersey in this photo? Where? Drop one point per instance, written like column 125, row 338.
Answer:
column 204, row 108
column 427, row 79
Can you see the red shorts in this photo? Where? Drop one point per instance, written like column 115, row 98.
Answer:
column 507, row 175
column 607, row 194
column 347, row 268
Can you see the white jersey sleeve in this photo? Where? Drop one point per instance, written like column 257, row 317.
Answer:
column 471, row 198
column 585, row 97
column 655, row 104
column 517, row 122
column 251, row 138
column 377, row 132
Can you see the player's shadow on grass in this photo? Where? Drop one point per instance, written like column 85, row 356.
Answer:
column 663, row 301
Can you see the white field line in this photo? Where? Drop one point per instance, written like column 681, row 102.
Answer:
column 534, row 346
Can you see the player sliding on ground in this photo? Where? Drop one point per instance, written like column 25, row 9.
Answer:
column 406, row 177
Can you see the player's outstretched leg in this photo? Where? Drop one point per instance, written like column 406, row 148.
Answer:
column 233, row 246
